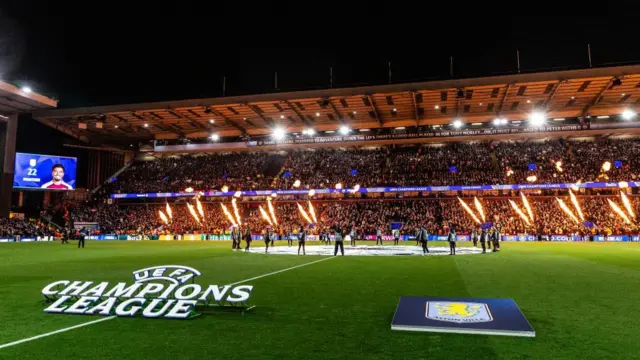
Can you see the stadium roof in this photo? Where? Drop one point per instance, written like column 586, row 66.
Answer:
column 19, row 100
column 561, row 94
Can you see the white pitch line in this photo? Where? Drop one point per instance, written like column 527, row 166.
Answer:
column 113, row 317
column 55, row 332
column 283, row 270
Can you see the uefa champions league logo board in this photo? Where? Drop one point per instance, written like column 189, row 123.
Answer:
column 167, row 291
column 461, row 315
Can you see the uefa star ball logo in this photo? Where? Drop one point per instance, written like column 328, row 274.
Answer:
column 159, row 291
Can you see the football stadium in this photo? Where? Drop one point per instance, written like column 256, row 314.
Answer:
column 491, row 217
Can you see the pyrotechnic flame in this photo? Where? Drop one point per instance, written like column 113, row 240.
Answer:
column 312, row 192
column 356, row 188
column 559, row 166
column 517, row 209
column 304, row 214
column 274, row 195
column 338, row 186
column 228, row 214
column 272, row 211
column 163, row 217
column 189, row 190
column 619, row 211
column 296, row 184
column 225, row 189
column 193, row 212
column 576, row 186
column 567, row 211
column 237, row 194
column 235, row 211
column 627, row 204
column 623, row 184
column 509, row 172
column 532, row 178
column 312, row 211
column 479, row 208
column 200, row 209
column 527, row 206
column 468, row 209
column 606, row 166
column 264, row 214
column 576, row 204
column 169, row 212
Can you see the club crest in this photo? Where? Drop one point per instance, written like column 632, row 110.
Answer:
column 458, row 312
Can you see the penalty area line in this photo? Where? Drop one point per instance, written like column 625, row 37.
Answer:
column 113, row 317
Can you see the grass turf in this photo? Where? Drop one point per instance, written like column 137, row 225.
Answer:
column 581, row 298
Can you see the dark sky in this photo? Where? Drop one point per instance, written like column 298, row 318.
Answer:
column 89, row 56
column 93, row 58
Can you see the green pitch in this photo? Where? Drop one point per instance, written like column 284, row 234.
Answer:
column 582, row 300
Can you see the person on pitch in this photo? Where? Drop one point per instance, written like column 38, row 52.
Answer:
column 451, row 238
column 302, row 238
column 396, row 236
column 338, row 233
column 81, row 235
column 289, row 238
column 423, row 238
column 321, row 237
column 474, row 236
column 378, row 235
column 353, row 235
column 273, row 237
column 483, row 239
column 247, row 238
column 236, row 236
column 496, row 239
column 266, row 236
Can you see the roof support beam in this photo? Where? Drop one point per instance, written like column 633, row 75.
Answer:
column 153, row 122
column 269, row 122
column 598, row 97
column 335, row 111
column 552, row 93
column 190, row 120
column 415, row 107
column 375, row 109
column 300, row 116
column 228, row 121
column 503, row 99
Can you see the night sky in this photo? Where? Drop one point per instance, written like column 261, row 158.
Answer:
column 88, row 59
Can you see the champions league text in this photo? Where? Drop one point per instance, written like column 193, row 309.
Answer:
column 158, row 292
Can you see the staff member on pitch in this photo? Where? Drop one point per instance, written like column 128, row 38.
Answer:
column 396, row 236
column 474, row 236
column 423, row 236
column 266, row 236
column 247, row 238
column 81, row 237
column 379, row 235
column 302, row 238
column 452, row 241
column 483, row 240
column 337, row 231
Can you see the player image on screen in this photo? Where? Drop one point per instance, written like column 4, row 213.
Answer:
column 57, row 172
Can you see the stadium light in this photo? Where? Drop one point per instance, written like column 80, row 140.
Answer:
column 628, row 114
column 309, row 132
column 215, row 137
column 278, row 133
column 26, row 89
column 457, row 123
column 146, row 125
column 281, row 116
column 211, row 121
column 344, row 130
column 317, row 114
column 499, row 121
column 537, row 118
column 437, row 107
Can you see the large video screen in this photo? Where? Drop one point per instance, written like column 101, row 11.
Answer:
column 44, row 172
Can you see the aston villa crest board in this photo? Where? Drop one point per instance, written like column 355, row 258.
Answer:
column 461, row 315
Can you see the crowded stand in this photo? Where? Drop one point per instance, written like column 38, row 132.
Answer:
column 479, row 163
column 11, row 227
column 366, row 217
